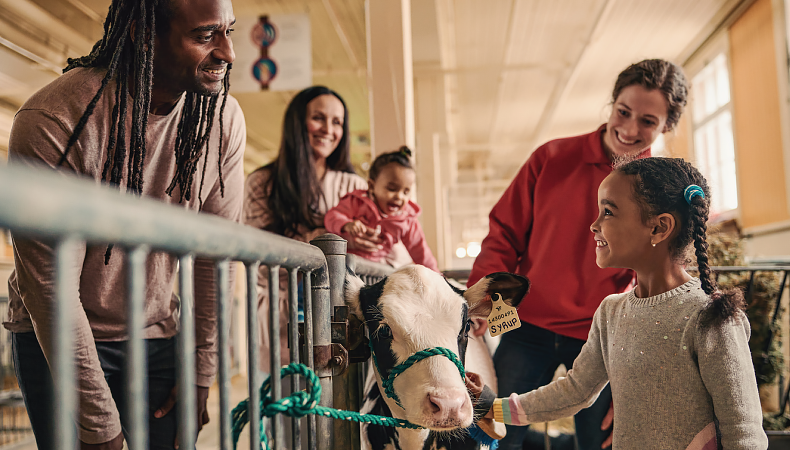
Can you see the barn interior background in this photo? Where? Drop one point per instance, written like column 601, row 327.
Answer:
column 474, row 86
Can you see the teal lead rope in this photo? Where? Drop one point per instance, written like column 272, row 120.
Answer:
column 387, row 383
column 300, row 404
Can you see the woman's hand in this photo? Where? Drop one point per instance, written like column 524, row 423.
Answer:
column 369, row 240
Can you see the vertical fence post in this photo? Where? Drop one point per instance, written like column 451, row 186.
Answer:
column 308, row 346
column 253, row 380
column 293, row 339
column 322, row 341
column 136, row 354
column 224, row 300
column 334, row 249
column 65, row 394
column 186, row 403
column 278, row 436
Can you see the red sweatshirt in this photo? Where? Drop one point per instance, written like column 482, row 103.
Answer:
column 540, row 228
column 356, row 205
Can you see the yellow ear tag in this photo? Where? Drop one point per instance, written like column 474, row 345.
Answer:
column 503, row 317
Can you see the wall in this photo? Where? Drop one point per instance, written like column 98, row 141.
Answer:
column 757, row 117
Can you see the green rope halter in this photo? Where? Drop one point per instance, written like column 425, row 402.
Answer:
column 300, row 404
column 387, row 382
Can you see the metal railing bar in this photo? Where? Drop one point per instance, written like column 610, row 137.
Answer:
column 186, row 404
column 224, row 300
column 136, row 353
column 253, row 378
column 366, row 268
column 275, row 354
column 64, row 370
column 322, row 333
column 293, row 337
column 53, row 206
column 308, row 340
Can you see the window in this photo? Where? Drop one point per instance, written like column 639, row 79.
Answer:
column 714, row 146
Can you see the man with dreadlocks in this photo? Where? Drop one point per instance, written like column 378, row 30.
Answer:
column 147, row 111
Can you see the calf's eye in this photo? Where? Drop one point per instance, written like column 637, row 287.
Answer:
column 384, row 332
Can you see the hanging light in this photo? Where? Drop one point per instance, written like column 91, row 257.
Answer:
column 460, row 252
column 473, row 249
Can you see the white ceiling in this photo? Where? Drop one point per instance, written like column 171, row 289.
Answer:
column 519, row 71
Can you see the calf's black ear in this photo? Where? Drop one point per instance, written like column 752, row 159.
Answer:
column 510, row 286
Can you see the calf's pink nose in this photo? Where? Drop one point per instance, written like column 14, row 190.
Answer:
column 446, row 406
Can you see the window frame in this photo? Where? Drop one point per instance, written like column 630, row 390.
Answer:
column 717, row 45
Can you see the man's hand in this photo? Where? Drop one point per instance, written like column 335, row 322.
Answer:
column 606, row 424
column 114, row 444
column 368, row 241
column 202, row 411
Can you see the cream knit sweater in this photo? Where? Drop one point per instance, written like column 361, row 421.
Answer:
column 675, row 384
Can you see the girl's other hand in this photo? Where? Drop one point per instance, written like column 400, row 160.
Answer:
column 367, row 241
column 355, row 228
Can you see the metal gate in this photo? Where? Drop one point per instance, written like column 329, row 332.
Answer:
column 65, row 210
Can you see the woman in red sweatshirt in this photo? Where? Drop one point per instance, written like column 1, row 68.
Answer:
column 540, row 228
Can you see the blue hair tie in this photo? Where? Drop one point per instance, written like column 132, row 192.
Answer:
column 692, row 191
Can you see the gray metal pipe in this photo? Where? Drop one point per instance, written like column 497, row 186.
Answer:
column 293, row 344
column 46, row 206
column 224, row 300
column 136, row 352
column 253, row 377
column 307, row 283
column 64, row 378
column 185, row 372
column 334, row 249
column 278, row 436
column 322, row 336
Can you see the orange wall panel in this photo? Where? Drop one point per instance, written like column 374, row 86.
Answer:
column 756, row 118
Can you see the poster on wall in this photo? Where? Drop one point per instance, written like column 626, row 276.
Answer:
column 273, row 53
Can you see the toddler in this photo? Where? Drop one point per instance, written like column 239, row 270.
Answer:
column 385, row 207
column 675, row 349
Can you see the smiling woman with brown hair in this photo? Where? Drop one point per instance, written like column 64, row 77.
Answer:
column 540, row 229
column 290, row 195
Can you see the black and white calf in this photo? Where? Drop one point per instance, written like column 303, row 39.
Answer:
column 411, row 310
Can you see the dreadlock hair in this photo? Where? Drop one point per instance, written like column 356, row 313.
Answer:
column 400, row 156
column 295, row 191
column 128, row 60
column 659, row 74
column 658, row 185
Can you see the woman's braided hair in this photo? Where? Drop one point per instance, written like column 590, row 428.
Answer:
column 658, row 186
column 132, row 60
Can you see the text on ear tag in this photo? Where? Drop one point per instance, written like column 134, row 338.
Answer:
column 503, row 317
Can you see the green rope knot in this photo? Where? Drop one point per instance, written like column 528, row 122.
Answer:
column 300, row 404
column 387, row 383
